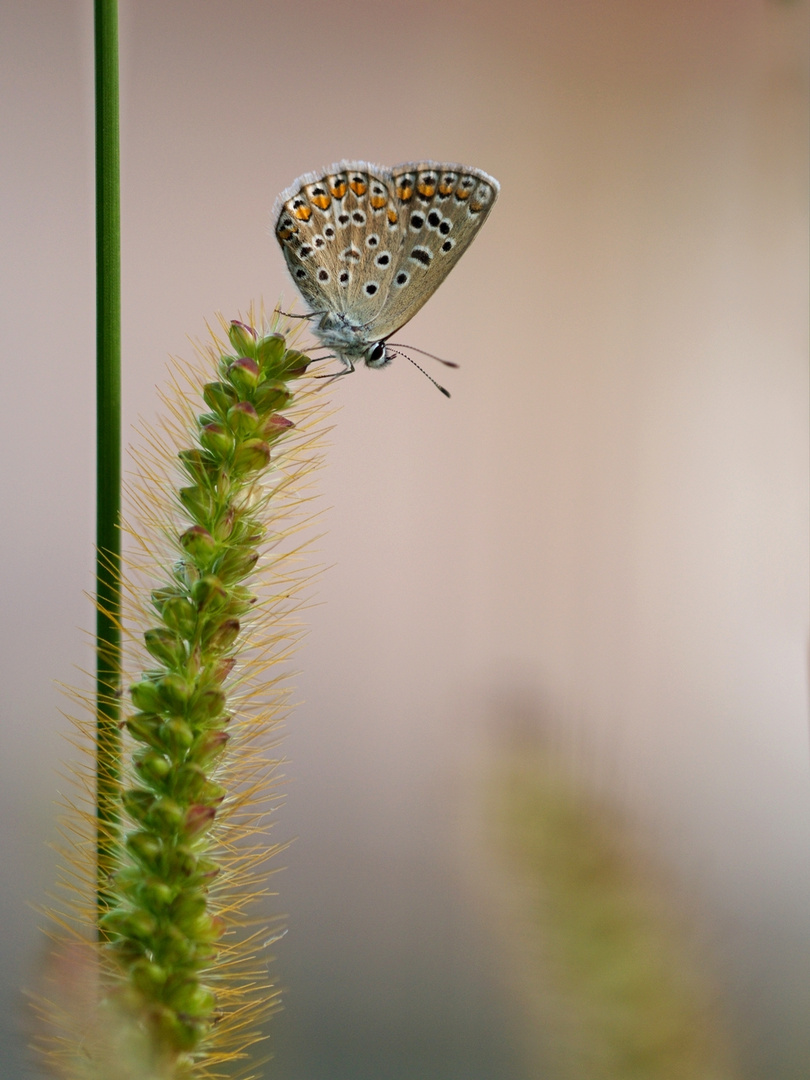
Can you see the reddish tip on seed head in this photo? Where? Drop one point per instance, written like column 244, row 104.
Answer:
column 198, row 819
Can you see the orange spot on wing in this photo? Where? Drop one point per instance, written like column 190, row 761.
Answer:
column 337, row 187
column 405, row 191
column 321, row 201
column 393, row 217
column 378, row 202
column 428, row 190
column 358, row 186
column 303, row 213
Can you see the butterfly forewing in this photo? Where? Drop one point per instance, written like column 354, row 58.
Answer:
column 441, row 208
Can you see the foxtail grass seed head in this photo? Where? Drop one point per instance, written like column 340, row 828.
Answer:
column 165, row 931
column 160, row 929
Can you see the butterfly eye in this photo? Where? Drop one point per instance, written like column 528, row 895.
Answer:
column 377, row 355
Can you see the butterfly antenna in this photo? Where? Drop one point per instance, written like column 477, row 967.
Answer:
column 418, row 368
column 447, row 363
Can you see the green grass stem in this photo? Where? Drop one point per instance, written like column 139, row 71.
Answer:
column 108, row 445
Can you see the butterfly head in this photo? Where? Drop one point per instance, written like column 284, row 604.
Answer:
column 353, row 344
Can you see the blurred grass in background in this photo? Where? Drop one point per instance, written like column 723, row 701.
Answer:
column 604, row 966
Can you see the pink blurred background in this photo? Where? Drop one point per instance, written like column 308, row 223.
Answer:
column 609, row 518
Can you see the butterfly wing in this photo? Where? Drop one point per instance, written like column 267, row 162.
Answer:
column 341, row 239
column 439, row 208
column 303, row 224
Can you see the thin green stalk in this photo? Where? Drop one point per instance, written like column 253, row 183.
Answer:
column 108, row 446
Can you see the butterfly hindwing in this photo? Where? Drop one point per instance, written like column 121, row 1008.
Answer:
column 336, row 232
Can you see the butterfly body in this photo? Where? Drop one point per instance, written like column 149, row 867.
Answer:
column 367, row 246
column 351, row 341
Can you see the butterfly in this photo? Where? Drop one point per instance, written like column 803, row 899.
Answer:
column 367, row 246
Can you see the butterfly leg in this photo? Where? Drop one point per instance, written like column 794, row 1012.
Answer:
column 337, row 374
column 292, row 315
